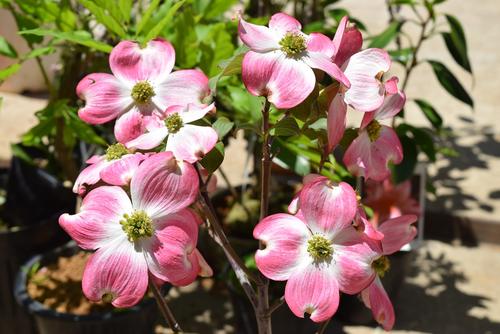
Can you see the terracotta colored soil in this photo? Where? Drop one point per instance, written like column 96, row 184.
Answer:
column 59, row 286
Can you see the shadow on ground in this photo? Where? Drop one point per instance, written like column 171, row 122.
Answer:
column 431, row 301
column 471, row 155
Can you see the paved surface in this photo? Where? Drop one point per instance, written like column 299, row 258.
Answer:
column 448, row 290
column 16, row 117
column 468, row 185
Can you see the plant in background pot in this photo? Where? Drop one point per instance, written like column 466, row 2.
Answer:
column 49, row 286
column 47, row 160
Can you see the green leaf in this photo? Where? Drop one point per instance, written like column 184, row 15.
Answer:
column 78, row 37
column 82, row 130
column 185, row 39
column 430, row 9
column 406, row 168
column 125, row 7
column 39, row 52
column 456, row 43
column 8, row 71
column 403, row 56
column 222, row 126
column 289, row 159
column 26, row 23
column 158, row 28
column 430, row 113
column 216, row 8
column 286, row 127
column 145, row 17
column 349, row 135
column 449, row 152
column 104, row 17
column 450, row 83
column 422, row 138
column 383, row 39
column 213, row 159
column 18, row 151
column 6, row 49
column 216, row 46
column 246, row 105
column 229, row 66
column 315, row 26
column 338, row 13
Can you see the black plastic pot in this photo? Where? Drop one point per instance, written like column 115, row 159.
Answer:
column 33, row 209
column 139, row 319
column 283, row 320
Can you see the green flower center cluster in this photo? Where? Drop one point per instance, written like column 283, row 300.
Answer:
column 293, row 44
column 136, row 226
column 319, row 247
column 174, row 123
column 107, row 297
column 373, row 130
column 381, row 265
column 142, row 92
column 116, row 151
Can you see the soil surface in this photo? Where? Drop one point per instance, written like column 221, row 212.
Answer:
column 59, row 286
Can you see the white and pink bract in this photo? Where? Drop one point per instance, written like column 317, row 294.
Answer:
column 137, row 217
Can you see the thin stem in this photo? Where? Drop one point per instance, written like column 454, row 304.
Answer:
column 392, row 16
column 209, row 210
column 262, row 311
column 414, row 62
column 409, row 69
column 46, row 79
column 323, row 326
column 165, row 310
column 265, row 172
column 276, row 305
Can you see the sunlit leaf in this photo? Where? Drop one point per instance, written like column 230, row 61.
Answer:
column 430, row 113
column 450, row 83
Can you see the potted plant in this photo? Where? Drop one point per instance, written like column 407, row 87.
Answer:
column 48, row 158
column 49, row 287
column 145, row 198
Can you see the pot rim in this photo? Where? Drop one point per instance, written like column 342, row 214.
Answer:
column 36, row 308
column 38, row 224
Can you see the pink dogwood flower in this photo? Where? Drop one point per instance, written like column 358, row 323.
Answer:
column 116, row 167
column 317, row 251
column 397, row 232
column 153, row 232
column 141, row 84
column 376, row 145
column 390, row 200
column 281, row 58
column 187, row 141
column 365, row 70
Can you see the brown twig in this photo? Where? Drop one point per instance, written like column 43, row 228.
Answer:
column 163, row 306
column 276, row 305
column 265, row 172
column 323, row 326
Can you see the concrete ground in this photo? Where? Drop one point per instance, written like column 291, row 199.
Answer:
column 448, row 290
column 468, row 185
